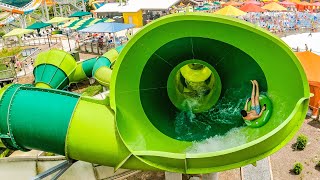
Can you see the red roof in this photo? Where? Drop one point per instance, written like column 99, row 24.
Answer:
column 287, row 3
column 251, row 8
column 252, row 2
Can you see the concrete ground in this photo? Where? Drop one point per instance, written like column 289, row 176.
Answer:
column 282, row 161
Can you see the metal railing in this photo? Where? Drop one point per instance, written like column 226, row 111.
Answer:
column 30, row 42
column 29, row 60
column 96, row 47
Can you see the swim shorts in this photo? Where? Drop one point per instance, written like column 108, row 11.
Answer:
column 256, row 108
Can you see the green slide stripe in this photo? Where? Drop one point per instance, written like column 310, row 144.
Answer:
column 112, row 55
column 58, row 58
column 101, row 61
column 103, row 75
column 2, row 90
column 39, row 118
column 83, row 70
column 119, row 48
column 5, row 103
column 87, row 66
column 43, row 85
column 51, row 75
column 78, row 74
column 92, row 135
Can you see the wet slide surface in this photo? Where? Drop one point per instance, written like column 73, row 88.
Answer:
column 145, row 113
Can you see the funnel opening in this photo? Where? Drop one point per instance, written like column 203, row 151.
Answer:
column 162, row 102
column 145, row 114
column 194, row 85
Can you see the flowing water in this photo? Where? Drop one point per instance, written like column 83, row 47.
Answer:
column 216, row 126
column 232, row 138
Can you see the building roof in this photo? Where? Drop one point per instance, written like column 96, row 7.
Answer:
column 38, row 25
column 136, row 5
column 107, row 27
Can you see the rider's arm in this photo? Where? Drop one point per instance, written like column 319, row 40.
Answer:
column 245, row 106
column 262, row 110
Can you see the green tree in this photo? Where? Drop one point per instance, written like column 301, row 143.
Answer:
column 89, row 7
column 297, row 168
column 302, row 142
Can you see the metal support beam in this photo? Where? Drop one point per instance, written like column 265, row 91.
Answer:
column 55, row 10
column 61, row 168
column 61, row 13
column 47, row 12
column 83, row 6
column 23, row 21
column 43, row 14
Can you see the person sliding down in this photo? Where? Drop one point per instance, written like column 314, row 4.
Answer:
column 255, row 112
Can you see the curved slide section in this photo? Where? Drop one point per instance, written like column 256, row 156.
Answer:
column 99, row 68
column 102, row 69
column 57, row 69
column 53, row 69
column 96, row 4
column 138, row 132
column 27, row 9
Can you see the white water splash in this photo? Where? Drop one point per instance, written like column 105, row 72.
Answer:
column 231, row 139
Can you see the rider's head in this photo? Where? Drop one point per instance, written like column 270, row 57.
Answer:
column 243, row 113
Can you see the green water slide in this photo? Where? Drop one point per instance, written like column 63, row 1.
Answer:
column 136, row 129
column 57, row 69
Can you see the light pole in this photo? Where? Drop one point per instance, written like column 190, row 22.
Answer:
column 69, row 41
column 84, row 6
column 49, row 41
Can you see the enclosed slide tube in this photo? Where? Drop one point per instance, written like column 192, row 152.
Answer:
column 136, row 131
column 57, row 69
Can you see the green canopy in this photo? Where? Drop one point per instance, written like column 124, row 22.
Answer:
column 38, row 25
column 74, row 23
column 18, row 32
column 109, row 20
column 80, row 14
column 202, row 8
column 67, row 24
column 58, row 20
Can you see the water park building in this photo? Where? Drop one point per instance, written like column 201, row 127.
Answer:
column 138, row 12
